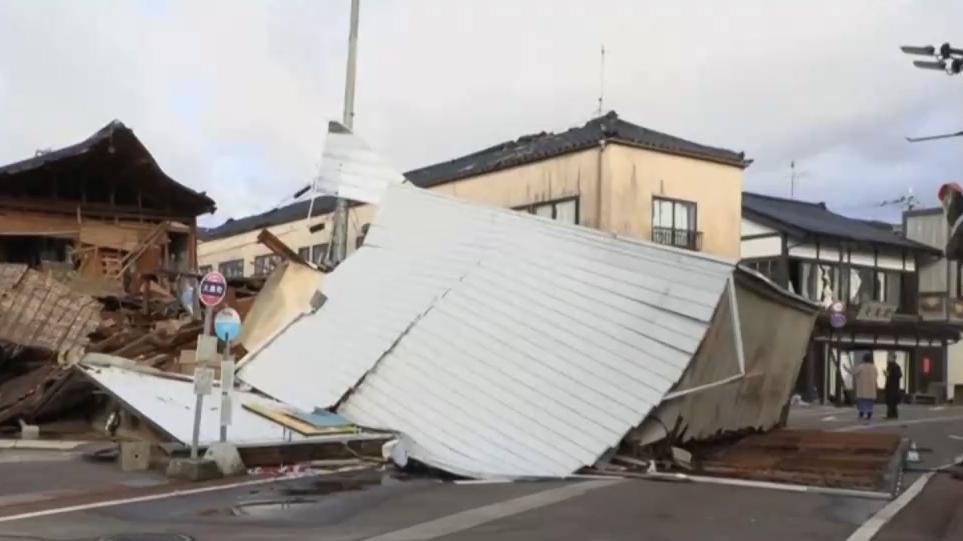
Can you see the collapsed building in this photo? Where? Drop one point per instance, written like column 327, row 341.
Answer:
column 103, row 207
column 504, row 345
column 97, row 251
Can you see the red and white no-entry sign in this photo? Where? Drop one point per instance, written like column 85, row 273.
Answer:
column 213, row 288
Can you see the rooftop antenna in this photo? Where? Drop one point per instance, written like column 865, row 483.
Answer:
column 601, row 81
column 792, row 179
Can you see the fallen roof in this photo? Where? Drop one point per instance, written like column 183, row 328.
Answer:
column 805, row 218
column 38, row 311
column 167, row 401
column 525, row 149
column 500, row 345
column 116, row 152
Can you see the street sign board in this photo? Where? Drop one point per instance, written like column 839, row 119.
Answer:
column 875, row 311
column 213, row 288
column 227, row 324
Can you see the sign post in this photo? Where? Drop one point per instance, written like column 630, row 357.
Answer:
column 227, row 326
column 213, row 289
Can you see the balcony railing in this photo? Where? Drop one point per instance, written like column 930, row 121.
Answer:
column 680, row 238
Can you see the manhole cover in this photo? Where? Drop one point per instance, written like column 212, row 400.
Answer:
column 147, row 537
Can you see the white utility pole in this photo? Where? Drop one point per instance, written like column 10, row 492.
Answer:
column 338, row 248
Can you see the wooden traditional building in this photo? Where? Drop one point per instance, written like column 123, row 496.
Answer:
column 869, row 268
column 101, row 209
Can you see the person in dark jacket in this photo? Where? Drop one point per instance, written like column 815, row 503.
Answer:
column 893, row 392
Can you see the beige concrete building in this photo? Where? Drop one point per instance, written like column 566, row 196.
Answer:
column 607, row 174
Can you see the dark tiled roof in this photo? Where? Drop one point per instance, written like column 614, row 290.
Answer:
column 525, row 149
column 280, row 215
column 803, row 218
column 118, row 151
column 531, row 148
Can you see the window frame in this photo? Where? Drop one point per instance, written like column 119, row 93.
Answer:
column 225, row 265
column 530, row 208
column 259, row 264
column 691, row 233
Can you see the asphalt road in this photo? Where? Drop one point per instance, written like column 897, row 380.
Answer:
column 373, row 505
column 590, row 509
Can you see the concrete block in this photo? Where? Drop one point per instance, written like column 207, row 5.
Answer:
column 227, row 458
column 29, row 432
column 188, row 469
column 134, row 455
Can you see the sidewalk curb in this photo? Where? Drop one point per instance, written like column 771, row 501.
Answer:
column 42, row 445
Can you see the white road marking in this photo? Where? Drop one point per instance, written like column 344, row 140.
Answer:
column 480, row 515
column 957, row 460
column 872, row 526
column 955, row 437
column 887, row 424
column 137, row 499
column 829, row 418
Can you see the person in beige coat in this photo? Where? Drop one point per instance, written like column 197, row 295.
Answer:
column 864, row 383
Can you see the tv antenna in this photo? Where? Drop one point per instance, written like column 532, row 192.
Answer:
column 946, row 59
column 601, row 81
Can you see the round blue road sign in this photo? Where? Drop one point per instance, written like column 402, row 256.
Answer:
column 227, row 324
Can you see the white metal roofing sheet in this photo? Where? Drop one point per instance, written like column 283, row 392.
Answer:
column 168, row 402
column 502, row 344
column 350, row 169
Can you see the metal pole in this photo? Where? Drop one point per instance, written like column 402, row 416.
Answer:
column 199, row 403
column 227, row 389
column 227, row 383
column 339, row 240
column 348, row 117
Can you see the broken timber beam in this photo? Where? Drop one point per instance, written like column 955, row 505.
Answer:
column 277, row 246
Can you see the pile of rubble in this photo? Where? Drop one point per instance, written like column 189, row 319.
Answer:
column 48, row 322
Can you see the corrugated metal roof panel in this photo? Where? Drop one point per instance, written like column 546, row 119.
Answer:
column 350, row 169
column 502, row 344
column 168, row 402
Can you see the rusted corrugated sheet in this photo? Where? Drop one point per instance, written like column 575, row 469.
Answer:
column 37, row 311
column 856, row 460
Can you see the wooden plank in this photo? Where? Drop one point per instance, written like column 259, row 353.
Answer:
column 27, row 223
column 299, row 426
column 277, row 246
column 89, row 209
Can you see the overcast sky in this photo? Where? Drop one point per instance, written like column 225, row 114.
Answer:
column 233, row 97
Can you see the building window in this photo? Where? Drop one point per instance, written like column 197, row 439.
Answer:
column 314, row 254
column 674, row 223
column 232, row 269
column 820, row 282
column 563, row 210
column 364, row 233
column 204, row 269
column 766, row 267
column 264, row 264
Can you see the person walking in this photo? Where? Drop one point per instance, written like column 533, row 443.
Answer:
column 893, row 390
column 864, row 382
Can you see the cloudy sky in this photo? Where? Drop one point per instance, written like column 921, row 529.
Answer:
column 233, row 97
